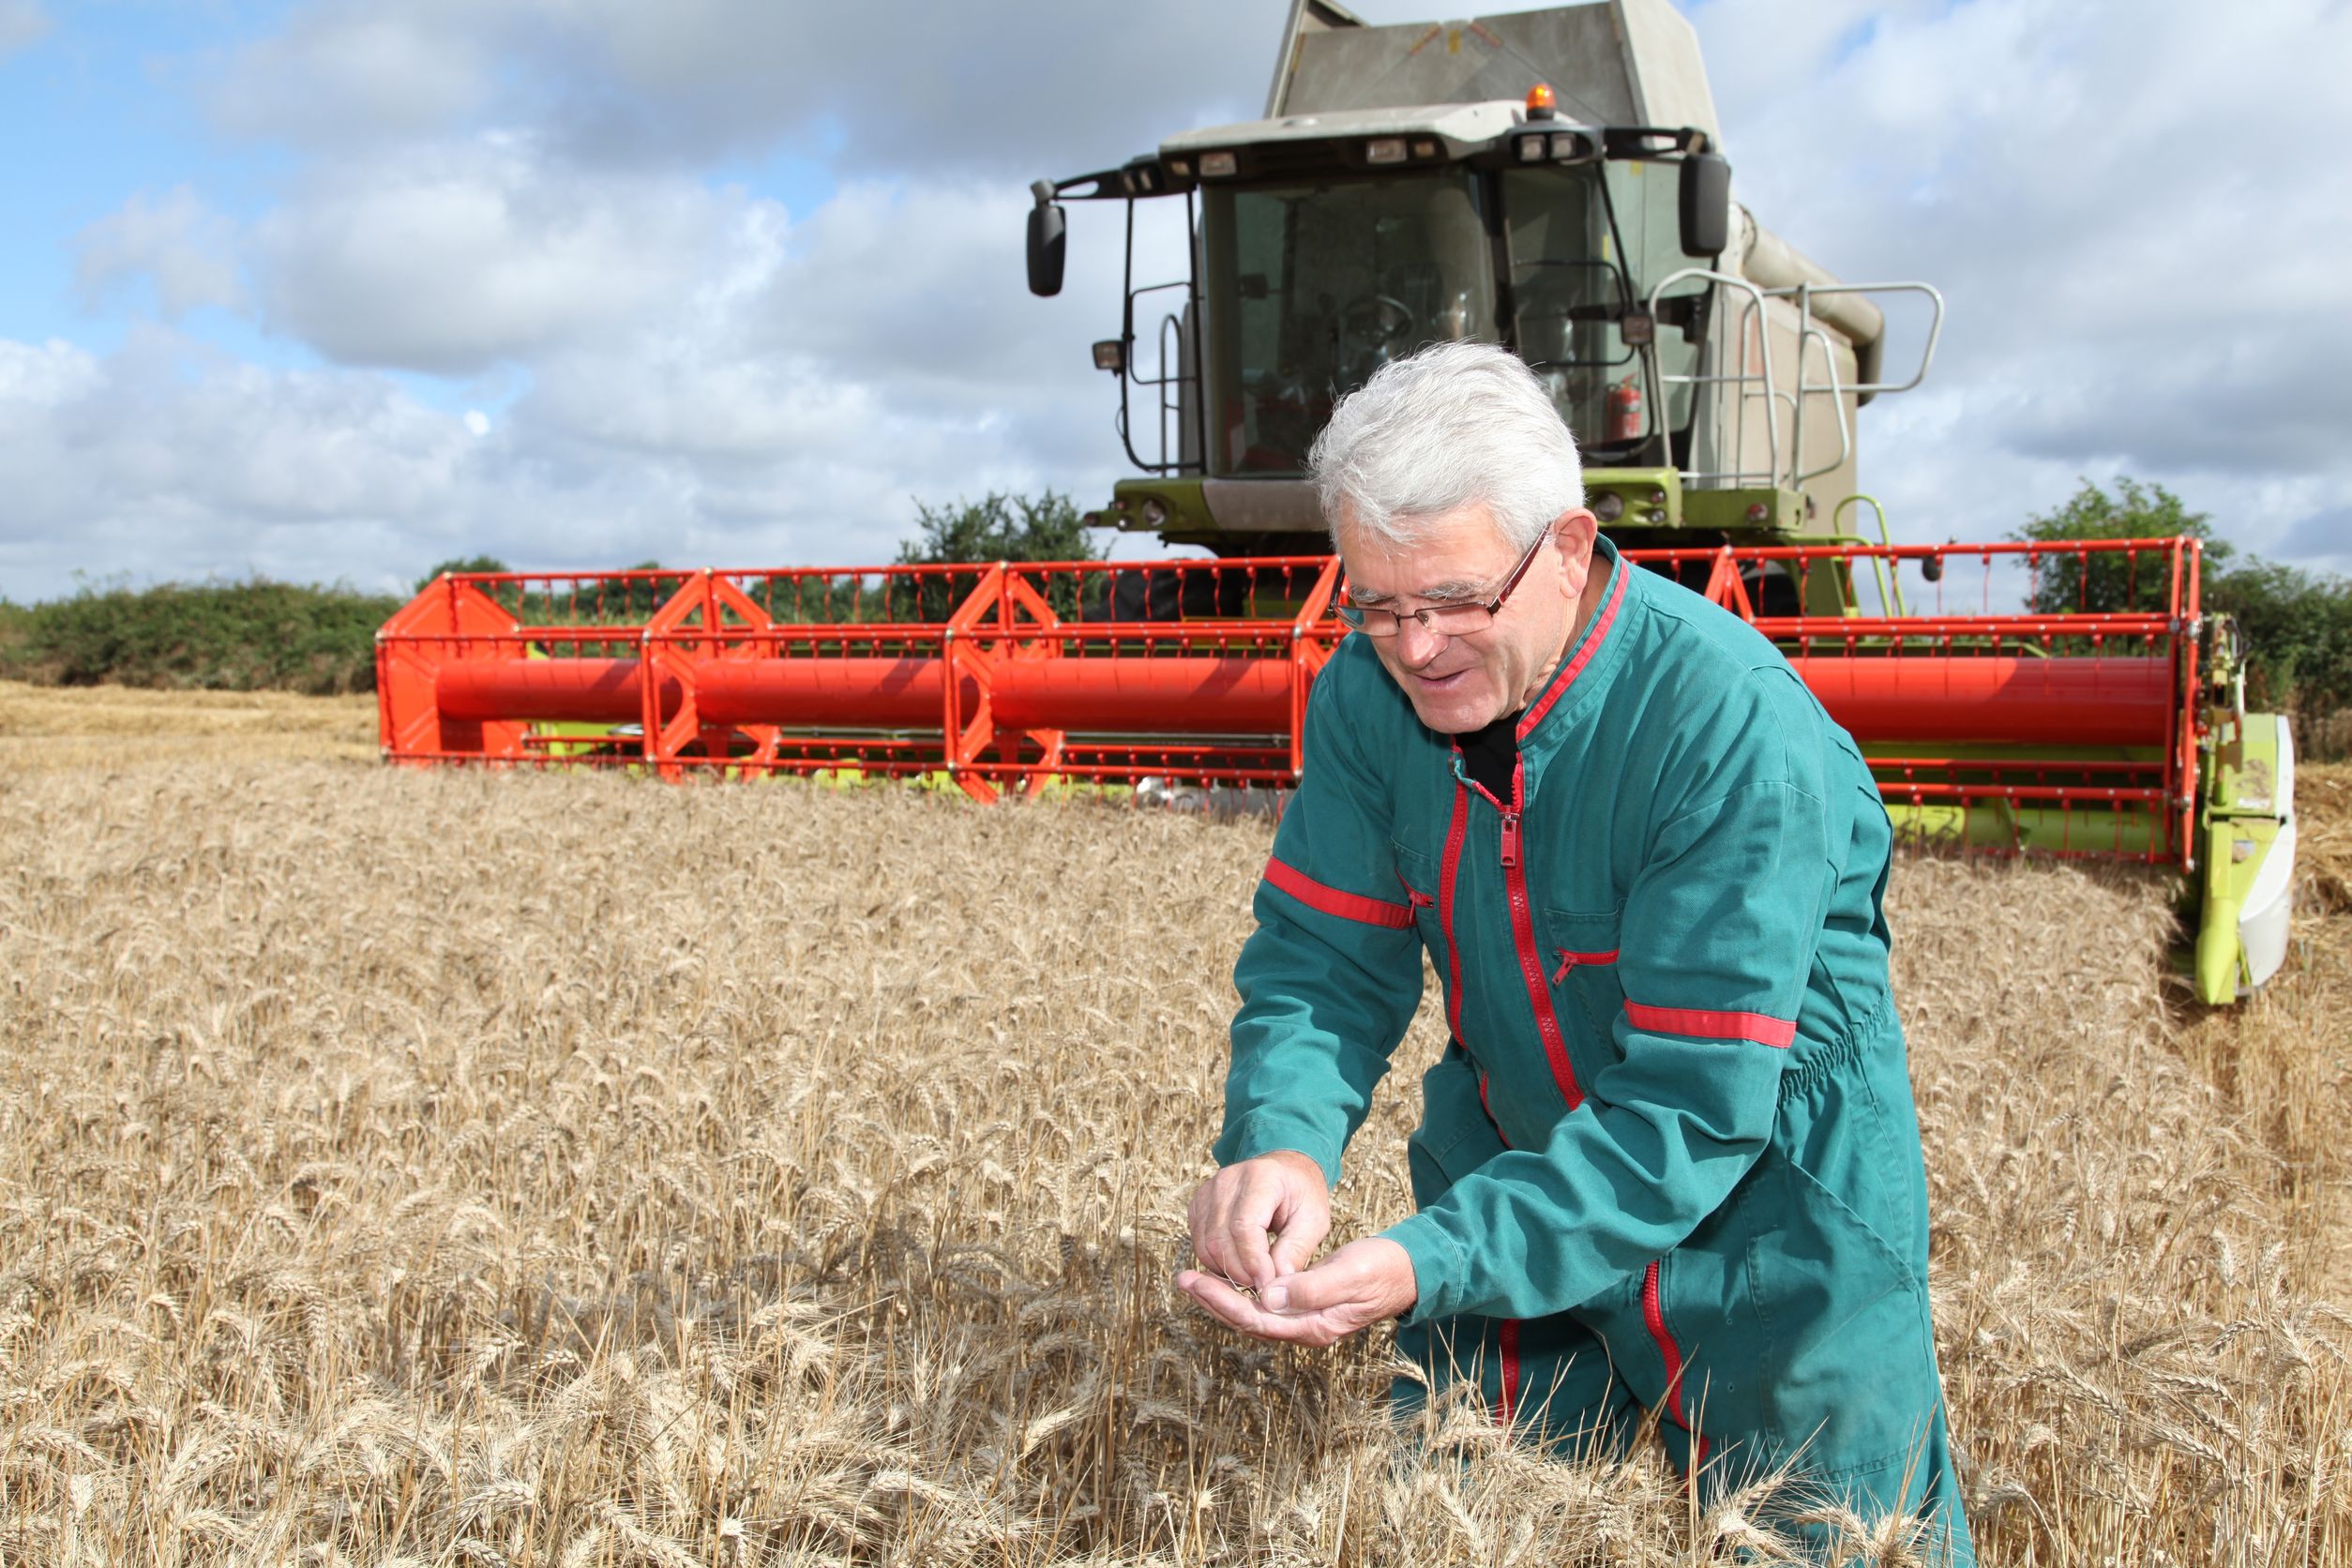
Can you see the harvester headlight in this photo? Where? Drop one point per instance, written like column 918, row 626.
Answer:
column 1180, row 167
column 1759, row 512
column 1111, row 354
column 1154, row 512
column 1657, row 498
column 1567, row 144
column 1425, row 149
column 1530, row 149
column 1609, row 505
column 1384, row 149
column 1655, row 514
column 1216, row 166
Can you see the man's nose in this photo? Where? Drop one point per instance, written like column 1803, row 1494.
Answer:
column 1416, row 644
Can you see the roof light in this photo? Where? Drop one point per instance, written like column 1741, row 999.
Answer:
column 1567, row 144
column 1540, row 105
column 1111, row 354
column 1425, row 149
column 1216, row 166
column 1180, row 167
column 1530, row 149
column 1384, row 149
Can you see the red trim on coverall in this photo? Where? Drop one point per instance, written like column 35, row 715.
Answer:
column 1510, row 1400
column 1574, row 667
column 1348, row 906
column 1704, row 1025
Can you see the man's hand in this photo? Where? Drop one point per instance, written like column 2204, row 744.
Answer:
column 1256, row 1220
column 1355, row 1287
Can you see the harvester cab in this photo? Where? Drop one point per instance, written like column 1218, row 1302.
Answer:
column 1553, row 181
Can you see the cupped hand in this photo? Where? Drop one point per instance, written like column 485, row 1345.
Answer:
column 1259, row 1219
column 1354, row 1289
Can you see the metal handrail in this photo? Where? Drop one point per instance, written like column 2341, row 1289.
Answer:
column 1805, row 295
column 1756, row 313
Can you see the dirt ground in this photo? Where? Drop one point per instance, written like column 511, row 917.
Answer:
column 542, row 1167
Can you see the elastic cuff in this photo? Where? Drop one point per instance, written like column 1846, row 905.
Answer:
column 1436, row 1267
column 1263, row 1132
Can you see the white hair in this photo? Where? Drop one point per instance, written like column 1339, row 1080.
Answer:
column 1452, row 424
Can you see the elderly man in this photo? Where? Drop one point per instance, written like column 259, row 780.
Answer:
column 1669, row 1159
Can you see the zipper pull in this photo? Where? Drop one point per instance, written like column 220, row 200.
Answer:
column 1510, row 839
column 1567, row 962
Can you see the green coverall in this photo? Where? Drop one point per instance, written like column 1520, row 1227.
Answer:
column 1669, row 1159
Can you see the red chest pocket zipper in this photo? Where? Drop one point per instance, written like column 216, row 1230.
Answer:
column 1569, row 961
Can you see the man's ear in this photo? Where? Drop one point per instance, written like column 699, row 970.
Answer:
column 1572, row 532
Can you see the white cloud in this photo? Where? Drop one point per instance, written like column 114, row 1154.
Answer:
column 22, row 24
column 187, row 251
column 519, row 196
column 886, row 85
column 339, row 74
column 2142, row 277
column 453, row 257
column 165, row 459
column 786, row 398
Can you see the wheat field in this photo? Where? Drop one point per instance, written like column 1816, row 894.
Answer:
column 561, row 1169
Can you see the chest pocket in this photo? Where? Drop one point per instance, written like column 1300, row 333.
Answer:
column 1417, row 876
column 1580, row 957
column 1417, row 881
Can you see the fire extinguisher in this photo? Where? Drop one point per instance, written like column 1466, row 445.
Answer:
column 1624, row 412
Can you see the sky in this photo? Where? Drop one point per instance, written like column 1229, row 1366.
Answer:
column 335, row 290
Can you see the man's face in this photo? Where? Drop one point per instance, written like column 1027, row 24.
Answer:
column 1458, row 684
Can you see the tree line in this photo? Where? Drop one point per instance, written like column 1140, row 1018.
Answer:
column 259, row 634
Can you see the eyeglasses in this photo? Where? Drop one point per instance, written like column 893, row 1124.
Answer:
column 1445, row 619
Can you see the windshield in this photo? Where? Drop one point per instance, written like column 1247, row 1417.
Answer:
column 1320, row 285
column 1580, row 258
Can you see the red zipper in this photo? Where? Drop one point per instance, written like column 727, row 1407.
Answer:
column 1569, row 961
column 1654, row 1313
column 1455, row 832
column 1509, row 1403
column 1539, row 992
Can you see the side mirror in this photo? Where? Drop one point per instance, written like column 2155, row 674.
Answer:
column 1705, row 206
column 1048, row 231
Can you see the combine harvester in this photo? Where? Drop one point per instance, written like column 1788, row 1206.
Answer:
column 1549, row 180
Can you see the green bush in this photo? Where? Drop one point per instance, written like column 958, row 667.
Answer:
column 2106, row 582
column 2298, row 627
column 233, row 636
column 997, row 527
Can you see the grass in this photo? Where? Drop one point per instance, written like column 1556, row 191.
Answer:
column 468, row 1168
